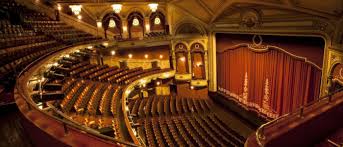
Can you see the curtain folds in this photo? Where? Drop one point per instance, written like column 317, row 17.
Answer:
column 273, row 82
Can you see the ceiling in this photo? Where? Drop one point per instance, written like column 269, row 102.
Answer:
column 209, row 10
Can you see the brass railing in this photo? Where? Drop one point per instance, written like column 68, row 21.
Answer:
column 32, row 106
column 260, row 136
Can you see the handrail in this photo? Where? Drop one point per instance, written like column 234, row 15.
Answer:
column 31, row 105
column 334, row 143
column 259, row 132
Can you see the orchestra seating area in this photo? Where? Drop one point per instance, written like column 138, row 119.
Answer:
column 29, row 37
column 176, row 121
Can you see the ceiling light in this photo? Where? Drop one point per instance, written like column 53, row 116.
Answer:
column 76, row 9
column 113, row 53
column 116, row 8
column 153, row 7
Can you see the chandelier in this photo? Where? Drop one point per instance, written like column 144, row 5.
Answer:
column 116, row 8
column 76, row 9
column 111, row 23
column 153, row 7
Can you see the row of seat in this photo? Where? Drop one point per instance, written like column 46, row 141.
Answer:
column 188, row 130
column 168, row 105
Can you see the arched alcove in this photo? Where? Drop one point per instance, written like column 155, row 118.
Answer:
column 157, row 22
column 181, row 54
column 135, row 25
column 112, row 22
column 198, row 62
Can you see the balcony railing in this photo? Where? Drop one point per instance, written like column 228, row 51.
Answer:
column 61, row 120
column 261, row 137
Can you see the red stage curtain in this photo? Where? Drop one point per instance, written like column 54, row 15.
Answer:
column 272, row 82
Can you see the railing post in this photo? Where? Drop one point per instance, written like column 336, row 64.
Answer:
column 330, row 97
column 65, row 127
column 28, row 105
column 262, row 136
column 301, row 111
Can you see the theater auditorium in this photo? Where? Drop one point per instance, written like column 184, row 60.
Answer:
column 219, row 73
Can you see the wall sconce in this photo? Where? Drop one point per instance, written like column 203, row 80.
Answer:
column 125, row 28
column 99, row 24
column 59, row 7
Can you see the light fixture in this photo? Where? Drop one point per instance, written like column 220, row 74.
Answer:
column 67, row 56
column 55, row 64
column 105, row 44
column 111, row 23
column 153, row 7
column 59, row 7
column 158, row 83
column 157, row 21
column 113, row 53
column 77, row 51
column 125, row 28
column 183, row 59
column 76, row 9
column 161, row 56
column 90, row 47
column 198, row 64
column 99, row 24
column 135, row 22
column 116, row 8
column 147, row 27
column 146, row 56
column 192, row 87
column 130, row 56
column 79, row 17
